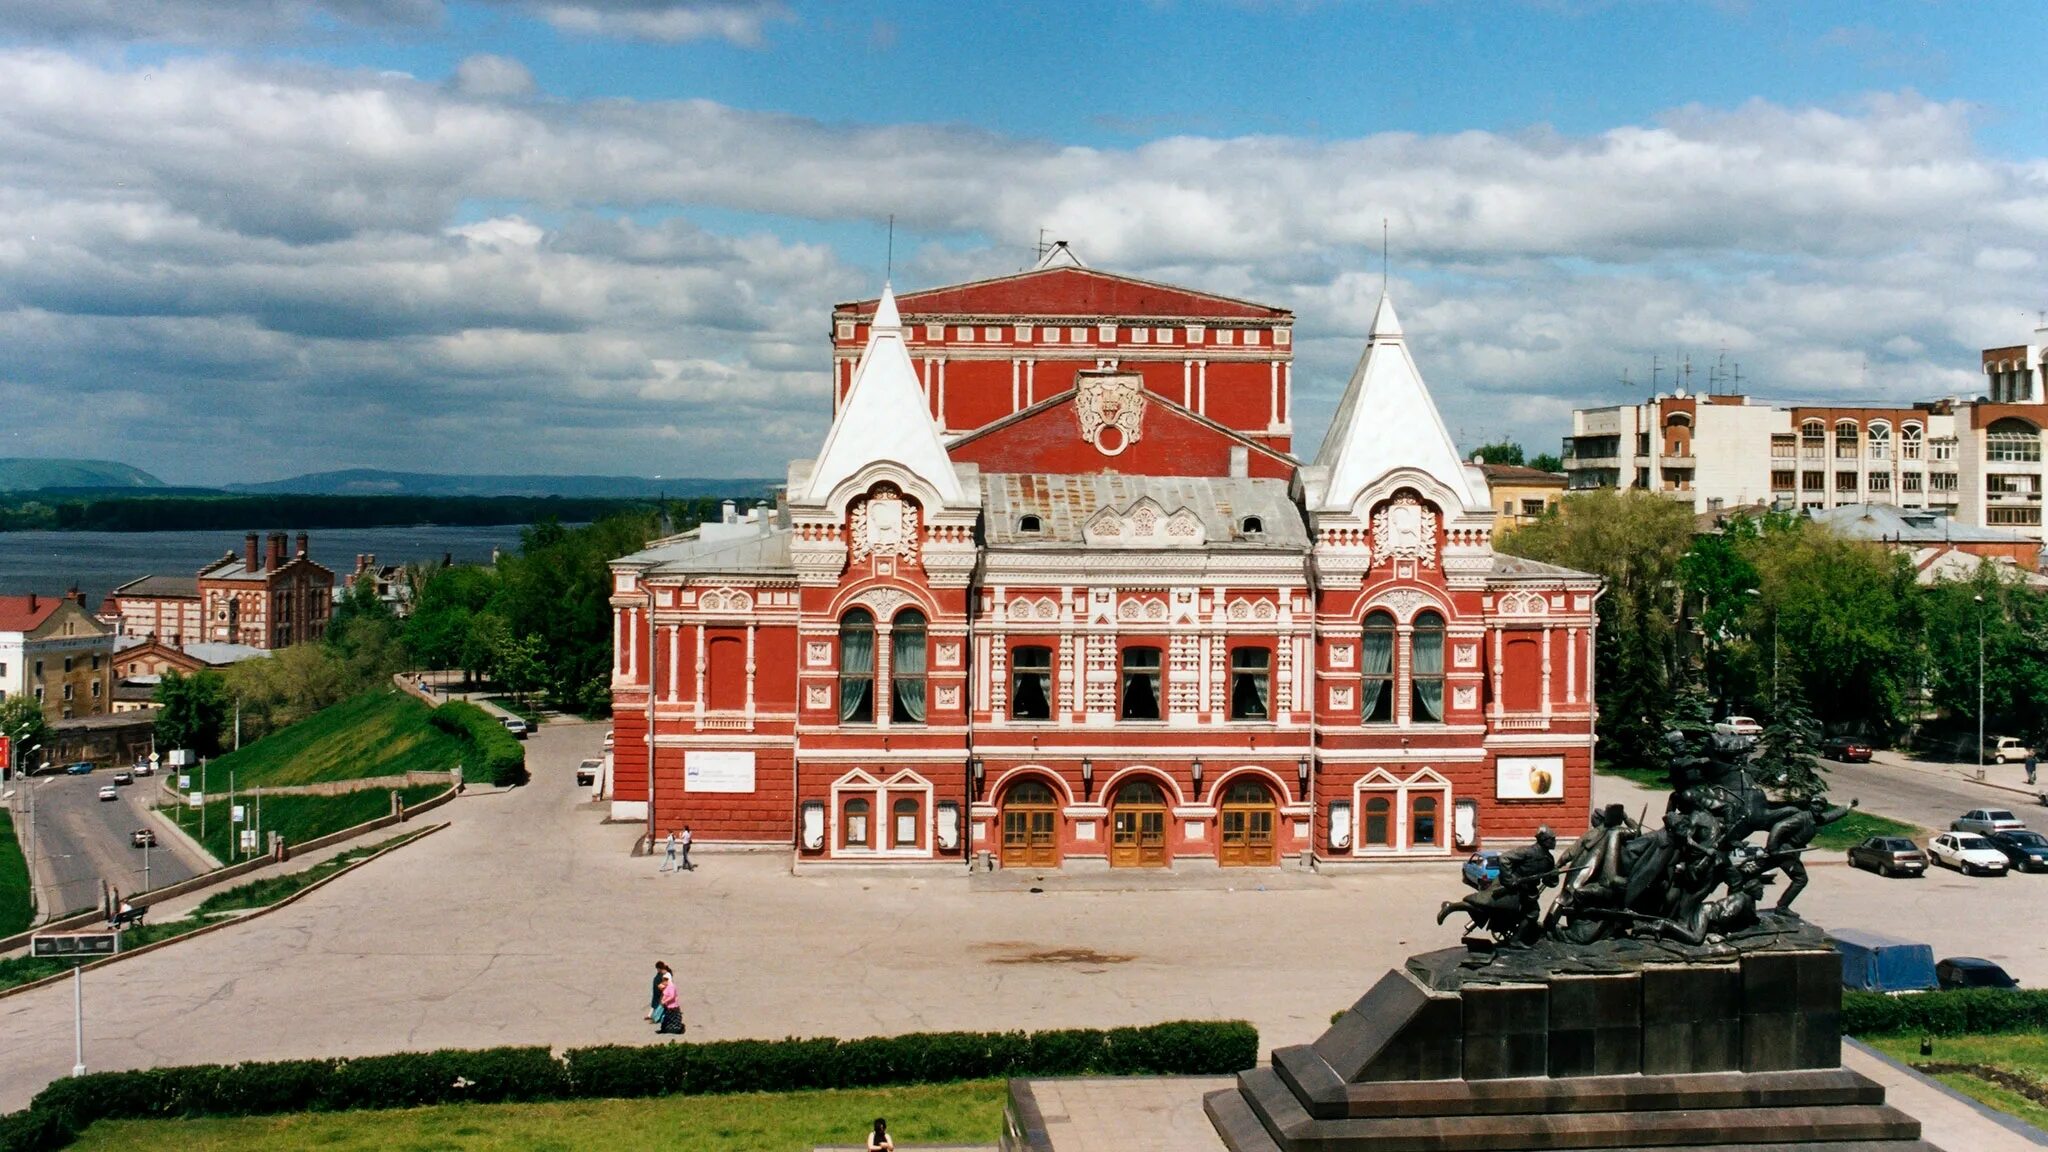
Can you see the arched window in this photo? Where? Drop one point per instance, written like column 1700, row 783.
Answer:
column 1379, row 822
column 1880, row 441
column 1377, row 660
column 1845, row 440
column 1909, row 442
column 1253, row 525
column 854, row 823
column 1247, row 790
column 1422, row 819
column 1139, row 791
column 906, row 667
column 1426, row 668
column 1813, row 440
column 857, row 667
column 1033, row 792
column 2012, row 439
column 903, row 823
column 1030, row 523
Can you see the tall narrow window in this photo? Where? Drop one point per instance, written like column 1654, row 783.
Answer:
column 857, row 667
column 906, row 667
column 1030, row 683
column 1377, row 657
column 903, row 830
column 1379, row 822
column 1250, row 681
column 1422, row 821
column 1141, row 684
column 1426, row 668
column 855, row 833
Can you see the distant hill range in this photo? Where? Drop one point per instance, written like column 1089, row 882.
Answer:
column 377, row 482
column 24, row 474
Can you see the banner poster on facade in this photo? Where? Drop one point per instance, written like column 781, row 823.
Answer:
column 1529, row 778
column 718, row 771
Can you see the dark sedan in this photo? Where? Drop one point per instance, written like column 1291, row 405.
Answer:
column 1972, row 972
column 2027, row 850
column 1845, row 750
column 1889, row 856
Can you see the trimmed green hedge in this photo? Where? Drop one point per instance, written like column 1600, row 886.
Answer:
column 507, row 1075
column 1951, row 1013
column 498, row 757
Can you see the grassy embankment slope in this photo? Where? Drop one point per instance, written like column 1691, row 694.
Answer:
column 380, row 733
column 967, row 1113
column 16, row 908
column 2019, row 1059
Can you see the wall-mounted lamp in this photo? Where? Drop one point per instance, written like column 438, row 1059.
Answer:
column 1087, row 778
column 980, row 772
column 1301, row 767
column 1196, row 771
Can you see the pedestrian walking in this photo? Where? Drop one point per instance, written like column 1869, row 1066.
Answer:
column 654, row 994
column 878, row 1140
column 671, row 1007
column 2031, row 762
column 668, row 859
column 687, row 838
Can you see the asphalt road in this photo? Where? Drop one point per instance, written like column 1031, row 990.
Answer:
column 80, row 840
column 1931, row 794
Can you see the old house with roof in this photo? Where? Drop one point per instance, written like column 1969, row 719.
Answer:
column 56, row 652
column 1104, row 618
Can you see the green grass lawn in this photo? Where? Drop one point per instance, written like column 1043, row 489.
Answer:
column 27, row 969
column 296, row 818
column 271, row 889
column 17, row 907
column 969, row 1113
column 380, row 733
column 526, row 712
column 1854, row 828
column 2023, row 1054
column 1652, row 778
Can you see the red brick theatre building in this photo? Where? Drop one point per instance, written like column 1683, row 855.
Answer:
column 1083, row 609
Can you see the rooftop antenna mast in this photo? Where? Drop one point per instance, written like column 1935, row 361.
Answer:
column 1043, row 249
column 1656, row 371
column 890, row 272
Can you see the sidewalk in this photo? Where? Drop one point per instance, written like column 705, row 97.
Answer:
column 1948, row 1119
column 2011, row 778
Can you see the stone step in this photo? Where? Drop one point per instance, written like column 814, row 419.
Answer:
column 1236, row 1123
column 1294, row 1130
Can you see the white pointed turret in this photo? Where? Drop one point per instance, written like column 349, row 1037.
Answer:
column 1387, row 420
column 884, row 417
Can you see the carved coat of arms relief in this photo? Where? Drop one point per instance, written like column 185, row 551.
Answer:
column 1111, row 410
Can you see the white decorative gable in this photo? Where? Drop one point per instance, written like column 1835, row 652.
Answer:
column 884, row 419
column 1387, row 421
column 1144, row 525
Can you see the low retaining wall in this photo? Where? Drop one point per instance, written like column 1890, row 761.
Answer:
column 343, row 787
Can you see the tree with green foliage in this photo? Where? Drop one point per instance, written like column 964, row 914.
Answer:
column 439, row 633
column 1788, row 753
column 1635, row 542
column 23, row 723
column 1499, row 452
column 1848, row 617
column 1547, row 462
column 192, row 711
column 2013, row 619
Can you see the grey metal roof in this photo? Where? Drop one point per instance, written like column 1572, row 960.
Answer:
column 153, row 585
column 766, row 554
column 1884, row 522
column 1516, row 568
column 1063, row 503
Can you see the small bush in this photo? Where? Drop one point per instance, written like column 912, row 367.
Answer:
column 1951, row 1013
column 497, row 758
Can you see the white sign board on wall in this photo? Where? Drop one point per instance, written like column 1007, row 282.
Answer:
column 1529, row 778
column 718, row 771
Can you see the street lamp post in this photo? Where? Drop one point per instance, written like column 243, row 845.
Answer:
column 1980, row 685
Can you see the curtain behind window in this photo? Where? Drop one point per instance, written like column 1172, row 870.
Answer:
column 1377, row 657
column 906, row 671
column 1427, row 668
column 856, row 669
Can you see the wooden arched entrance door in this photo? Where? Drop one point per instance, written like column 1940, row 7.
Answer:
column 1031, row 822
column 1247, row 818
column 1137, row 821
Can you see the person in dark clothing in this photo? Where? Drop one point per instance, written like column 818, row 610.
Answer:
column 654, row 996
column 1791, row 835
column 1509, row 908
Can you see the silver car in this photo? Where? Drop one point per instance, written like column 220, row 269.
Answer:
column 1987, row 820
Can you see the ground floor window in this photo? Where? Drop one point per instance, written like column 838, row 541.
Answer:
column 854, row 824
column 903, row 833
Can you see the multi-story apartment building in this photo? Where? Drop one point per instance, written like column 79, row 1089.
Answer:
column 268, row 598
column 1978, row 460
column 55, row 651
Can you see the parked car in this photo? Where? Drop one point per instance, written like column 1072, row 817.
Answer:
column 144, row 768
column 1739, row 726
column 143, row 838
column 82, row 768
column 1967, row 853
column 2026, row 850
column 2006, row 749
column 1482, row 868
column 1889, row 856
column 1846, row 750
column 1987, row 820
column 108, row 792
column 1875, row 962
column 607, row 739
column 1972, row 972
column 124, row 777
column 515, row 726
column 586, row 772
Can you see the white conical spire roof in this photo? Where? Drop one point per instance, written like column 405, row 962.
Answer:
column 884, row 417
column 1387, row 420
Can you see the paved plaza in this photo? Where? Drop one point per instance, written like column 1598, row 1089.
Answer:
column 527, row 921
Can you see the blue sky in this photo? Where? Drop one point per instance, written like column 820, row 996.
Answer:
column 425, row 230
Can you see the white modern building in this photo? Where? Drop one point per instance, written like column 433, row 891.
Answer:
column 1979, row 460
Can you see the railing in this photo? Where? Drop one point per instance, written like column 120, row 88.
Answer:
column 1521, row 723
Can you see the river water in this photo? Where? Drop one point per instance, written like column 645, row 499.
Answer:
column 99, row 562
